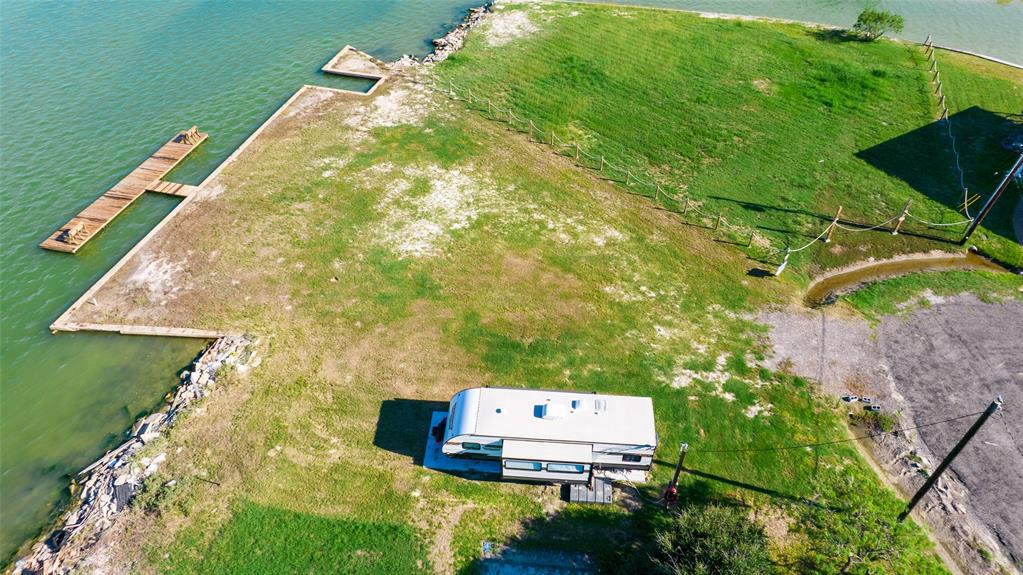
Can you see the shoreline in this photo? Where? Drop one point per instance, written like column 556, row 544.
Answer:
column 103, row 489
column 106, row 486
column 445, row 47
column 776, row 20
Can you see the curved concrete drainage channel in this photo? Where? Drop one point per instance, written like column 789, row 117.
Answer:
column 826, row 288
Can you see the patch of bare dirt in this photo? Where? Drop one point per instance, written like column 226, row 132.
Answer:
column 504, row 27
column 948, row 360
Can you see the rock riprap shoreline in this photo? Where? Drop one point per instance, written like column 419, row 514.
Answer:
column 103, row 490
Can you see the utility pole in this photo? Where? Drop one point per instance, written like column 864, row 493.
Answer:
column 1004, row 185
column 951, row 455
column 671, row 493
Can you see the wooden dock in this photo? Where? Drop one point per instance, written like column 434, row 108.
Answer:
column 148, row 176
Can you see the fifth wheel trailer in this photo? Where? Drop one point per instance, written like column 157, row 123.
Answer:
column 552, row 436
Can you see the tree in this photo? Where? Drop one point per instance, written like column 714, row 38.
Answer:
column 872, row 24
column 711, row 540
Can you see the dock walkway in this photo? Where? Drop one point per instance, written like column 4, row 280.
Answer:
column 148, row 176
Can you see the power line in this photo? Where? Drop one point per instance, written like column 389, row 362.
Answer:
column 824, row 443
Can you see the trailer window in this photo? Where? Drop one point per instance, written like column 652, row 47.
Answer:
column 632, row 458
column 493, row 446
column 471, row 446
column 523, row 465
column 565, row 468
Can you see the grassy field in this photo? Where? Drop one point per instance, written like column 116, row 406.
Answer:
column 772, row 125
column 393, row 250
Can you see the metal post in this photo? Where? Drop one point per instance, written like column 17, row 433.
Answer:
column 671, row 493
column 628, row 177
column 490, row 110
column 552, row 136
column 577, row 150
column 685, row 207
column 902, row 218
column 749, row 244
column 933, row 478
column 602, row 163
column 531, row 129
column 657, row 192
column 1004, row 185
column 831, row 228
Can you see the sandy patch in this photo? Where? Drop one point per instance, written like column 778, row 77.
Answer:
column 310, row 100
column 406, row 104
column 418, row 226
column 157, row 277
column 507, row 26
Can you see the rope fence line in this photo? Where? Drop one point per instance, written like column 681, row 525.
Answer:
column 681, row 201
column 947, row 122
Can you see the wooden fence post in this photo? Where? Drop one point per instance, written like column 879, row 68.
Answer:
column 577, row 150
column 685, row 207
column 552, row 136
column 628, row 177
column 717, row 222
column 784, row 262
column 602, row 163
column 469, row 95
column 749, row 244
column 490, row 108
column 831, row 228
column 902, row 218
column 657, row 192
column 531, row 129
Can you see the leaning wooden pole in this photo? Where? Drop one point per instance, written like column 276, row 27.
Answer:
column 990, row 203
column 933, row 478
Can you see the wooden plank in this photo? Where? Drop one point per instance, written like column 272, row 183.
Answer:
column 172, row 188
column 153, row 330
column 98, row 214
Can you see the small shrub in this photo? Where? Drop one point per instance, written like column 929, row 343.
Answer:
column 711, row 540
column 875, row 421
column 872, row 24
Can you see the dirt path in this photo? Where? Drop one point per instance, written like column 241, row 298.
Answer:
column 929, row 365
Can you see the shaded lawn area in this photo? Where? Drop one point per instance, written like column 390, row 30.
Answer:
column 764, row 123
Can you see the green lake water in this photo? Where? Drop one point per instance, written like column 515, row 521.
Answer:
column 88, row 90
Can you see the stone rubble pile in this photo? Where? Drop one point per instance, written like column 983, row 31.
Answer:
column 104, row 489
column 446, row 45
column 453, row 40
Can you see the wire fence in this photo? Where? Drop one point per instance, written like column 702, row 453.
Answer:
column 946, row 122
column 692, row 210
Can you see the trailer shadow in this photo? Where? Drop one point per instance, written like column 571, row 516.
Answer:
column 403, row 426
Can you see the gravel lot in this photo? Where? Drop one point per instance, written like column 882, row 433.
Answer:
column 949, row 359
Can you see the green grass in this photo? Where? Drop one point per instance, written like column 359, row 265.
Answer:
column 896, row 295
column 262, row 540
column 558, row 280
column 772, row 125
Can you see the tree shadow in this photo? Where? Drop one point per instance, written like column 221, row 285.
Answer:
column 924, row 159
column 836, row 35
column 403, row 425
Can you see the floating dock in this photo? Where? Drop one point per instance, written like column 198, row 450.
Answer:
column 147, row 177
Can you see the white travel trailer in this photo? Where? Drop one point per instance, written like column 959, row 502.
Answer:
column 552, row 436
